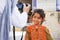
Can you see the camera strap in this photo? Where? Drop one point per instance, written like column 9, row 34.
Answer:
column 14, row 32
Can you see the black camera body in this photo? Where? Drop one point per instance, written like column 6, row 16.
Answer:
column 20, row 6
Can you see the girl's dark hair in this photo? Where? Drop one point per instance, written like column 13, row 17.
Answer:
column 40, row 12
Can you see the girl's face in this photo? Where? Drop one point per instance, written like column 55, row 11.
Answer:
column 37, row 19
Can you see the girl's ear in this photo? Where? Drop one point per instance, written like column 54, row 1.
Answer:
column 31, row 17
column 43, row 19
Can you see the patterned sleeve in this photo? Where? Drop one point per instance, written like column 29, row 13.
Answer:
column 48, row 35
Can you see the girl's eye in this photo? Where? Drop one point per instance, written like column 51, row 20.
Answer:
column 38, row 17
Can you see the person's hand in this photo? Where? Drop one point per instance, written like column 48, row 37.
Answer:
column 26, row 8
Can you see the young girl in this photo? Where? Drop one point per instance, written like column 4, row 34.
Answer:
column 37, row 31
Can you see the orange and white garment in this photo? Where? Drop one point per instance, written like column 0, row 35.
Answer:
column 38, row 33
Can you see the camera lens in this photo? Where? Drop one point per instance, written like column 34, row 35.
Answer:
column 26, row 4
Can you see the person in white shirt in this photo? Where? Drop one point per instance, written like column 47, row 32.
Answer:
column 20, row 19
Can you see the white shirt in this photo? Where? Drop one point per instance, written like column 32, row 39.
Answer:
column 19, row 19
column 2, row 5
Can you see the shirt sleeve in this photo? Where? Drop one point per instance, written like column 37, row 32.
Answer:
column 19, row 19
column 2, row 5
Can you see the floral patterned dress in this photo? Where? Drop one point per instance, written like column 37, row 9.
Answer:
column 37, row 33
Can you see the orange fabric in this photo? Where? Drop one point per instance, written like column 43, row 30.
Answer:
column 36, row 33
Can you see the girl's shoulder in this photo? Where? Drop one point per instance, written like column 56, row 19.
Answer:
column 29, row 28
column 46, row 29
column 44, row 26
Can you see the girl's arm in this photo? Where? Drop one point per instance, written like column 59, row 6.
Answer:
column 48, row 35
column 27, row 36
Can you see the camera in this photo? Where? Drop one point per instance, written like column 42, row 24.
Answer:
column 20, row 6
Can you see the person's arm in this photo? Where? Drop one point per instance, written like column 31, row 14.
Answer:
column 27, row 36
column 19, row 20
column 48, row 35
